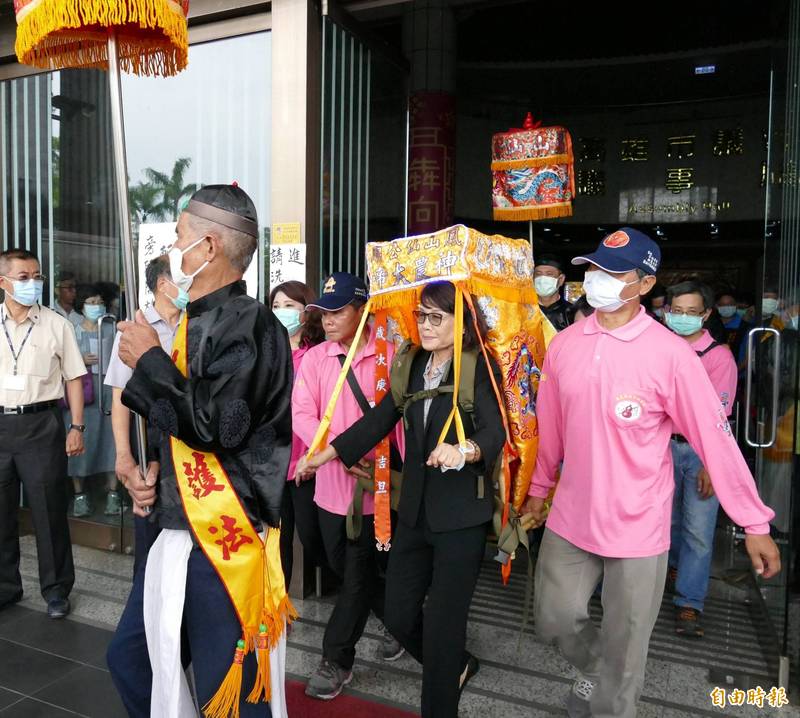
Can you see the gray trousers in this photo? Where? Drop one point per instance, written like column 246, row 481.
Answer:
column 613, row 657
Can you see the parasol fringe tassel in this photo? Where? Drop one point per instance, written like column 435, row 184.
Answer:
column 153, row 37
column 522, row 214
column 476, row 286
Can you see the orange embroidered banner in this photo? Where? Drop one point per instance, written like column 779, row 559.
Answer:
column 383, row 477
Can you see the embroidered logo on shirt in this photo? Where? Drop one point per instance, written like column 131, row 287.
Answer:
column 724, row 424
column 628, row 408
column 616, row 240
column 725, row 398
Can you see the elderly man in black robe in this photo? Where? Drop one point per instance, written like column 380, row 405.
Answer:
column 219, row 408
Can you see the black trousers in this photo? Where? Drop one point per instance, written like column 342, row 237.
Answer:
column 32, row 452
column 361, row 567
column 445, row 567
column 299, row 511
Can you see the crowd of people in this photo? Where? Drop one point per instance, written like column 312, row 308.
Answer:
column 634, row 403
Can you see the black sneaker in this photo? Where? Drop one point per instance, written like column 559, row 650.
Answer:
column 328, row 681
column 391, row 649
column 687, row 623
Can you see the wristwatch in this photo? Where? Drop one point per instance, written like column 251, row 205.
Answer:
column 78, row 427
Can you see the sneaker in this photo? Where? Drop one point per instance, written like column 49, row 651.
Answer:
column 113, row 504
column 81, row 506
column 328, row 681
column 687, row 623
column 579, row 699
column 391, row 649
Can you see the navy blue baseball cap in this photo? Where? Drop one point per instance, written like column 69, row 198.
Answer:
column 339, row 290
column 624, row 250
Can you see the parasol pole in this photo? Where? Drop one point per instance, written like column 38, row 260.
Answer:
column 530, row 231
column 121, row 182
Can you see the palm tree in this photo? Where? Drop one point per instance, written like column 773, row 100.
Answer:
column 171, row 187
column 143, row 199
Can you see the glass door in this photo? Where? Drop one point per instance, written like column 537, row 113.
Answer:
column 208, row 125
column 770, row 416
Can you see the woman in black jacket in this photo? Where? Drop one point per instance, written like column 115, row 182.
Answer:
column 445, row 505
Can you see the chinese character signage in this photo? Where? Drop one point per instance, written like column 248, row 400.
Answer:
column 287, row 262
column 456, row 254
column 286, row 233
column 154, row 240
column 431, row 161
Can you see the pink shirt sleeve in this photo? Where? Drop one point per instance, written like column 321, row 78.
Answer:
column 696, row 412
column 306, row 409
column 723, row 374
column 551, row 428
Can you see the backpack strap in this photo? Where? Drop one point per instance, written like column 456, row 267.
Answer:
column 400, row 373
column 401, row 376
column 705, row 351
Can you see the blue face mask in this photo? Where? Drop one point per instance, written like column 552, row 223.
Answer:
column 684, row 324
column 27, row 292
column 290, row 318
column 182, row 300
column 93, row 312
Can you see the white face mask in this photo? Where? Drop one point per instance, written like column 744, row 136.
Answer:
column 603, row 290
column 768, row 306
column 181, row 280
column 727, row 311
column 545, row 286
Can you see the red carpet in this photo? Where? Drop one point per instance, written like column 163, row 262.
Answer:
column 344, row 706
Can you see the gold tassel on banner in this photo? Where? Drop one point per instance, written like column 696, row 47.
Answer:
column 262, row 684
column 225, row 703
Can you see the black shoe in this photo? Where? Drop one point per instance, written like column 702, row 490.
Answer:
column 472, row 667
column 687, row 623
column 58, row 607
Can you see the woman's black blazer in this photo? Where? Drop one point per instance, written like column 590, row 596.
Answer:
column 453, row 499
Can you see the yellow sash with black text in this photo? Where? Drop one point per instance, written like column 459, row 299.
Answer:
column 249, row 567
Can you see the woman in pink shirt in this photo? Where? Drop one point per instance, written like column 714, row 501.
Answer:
column 288, row 302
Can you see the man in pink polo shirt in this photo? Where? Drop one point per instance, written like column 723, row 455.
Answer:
column 694, row 505
column 358, row 563
column 614, row 388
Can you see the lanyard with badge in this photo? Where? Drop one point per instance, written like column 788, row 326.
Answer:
column 15, row 382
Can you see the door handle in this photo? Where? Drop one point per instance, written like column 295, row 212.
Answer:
column 101, row 361
column 749, row 387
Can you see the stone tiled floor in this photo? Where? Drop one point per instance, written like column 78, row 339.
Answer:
column 57, row 668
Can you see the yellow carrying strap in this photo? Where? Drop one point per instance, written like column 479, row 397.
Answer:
column 320, row 440
column 458, row 336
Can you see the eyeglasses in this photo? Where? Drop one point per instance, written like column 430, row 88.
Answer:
column 433, row 318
